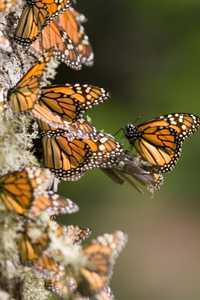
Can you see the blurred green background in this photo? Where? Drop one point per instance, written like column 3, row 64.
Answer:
column 147, row 54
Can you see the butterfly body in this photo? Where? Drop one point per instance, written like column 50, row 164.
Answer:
column 159, row 141
column 131, row 133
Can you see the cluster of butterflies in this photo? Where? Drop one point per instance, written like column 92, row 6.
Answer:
column 56, row 26
column 95, row 268
column 71, row 145
column 53, row 250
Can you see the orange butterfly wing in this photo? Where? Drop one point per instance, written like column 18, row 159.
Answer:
column 67, row 102
column 52, row 37
column 29, row 250
column 70, row 21
column 70, row 234
column 70, row 159
column 5, row 5
column 26, row 92
column 63, row 157
column 183, row 123
column 159, row 147
column 52, row 204
column 17, row 188
column 35, row 16
column 16, row 191
column 95, row 276
column 159, row 141
column 48, row 267
column 101, row 256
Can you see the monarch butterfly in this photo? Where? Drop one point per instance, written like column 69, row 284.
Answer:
column 24, row 95
column 35, row 15
column 70, row 159
column 101, row 256
column 47, row 264
column 77, row 234
column 31, row 249
column 58, row 103
column 5, row 5
column 17, row 188
column 53, row 38
column 69, row 234
column 94, row 274
column 51, row 204
column 71, row 22
column 49, row 267
column 160, row 140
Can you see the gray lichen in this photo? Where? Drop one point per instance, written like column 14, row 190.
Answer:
column 34, row 288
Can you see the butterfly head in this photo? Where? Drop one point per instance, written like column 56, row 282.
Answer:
column 131, row 133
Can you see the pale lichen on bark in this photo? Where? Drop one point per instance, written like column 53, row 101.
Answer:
column 34, row 288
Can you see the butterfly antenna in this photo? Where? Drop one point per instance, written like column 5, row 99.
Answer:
column 120, row 130
column 139, row 117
